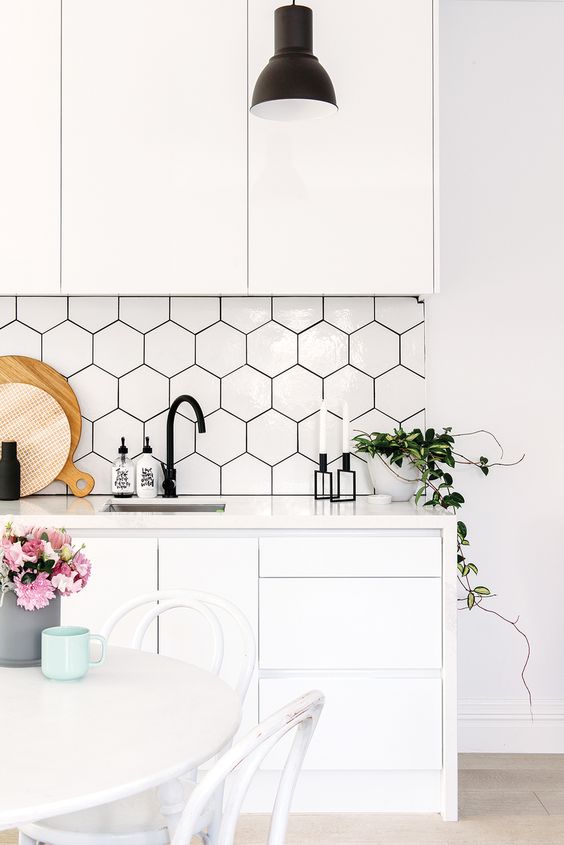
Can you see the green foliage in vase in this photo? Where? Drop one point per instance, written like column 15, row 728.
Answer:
column 436, row 455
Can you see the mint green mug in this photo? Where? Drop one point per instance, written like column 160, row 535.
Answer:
column 65, row 652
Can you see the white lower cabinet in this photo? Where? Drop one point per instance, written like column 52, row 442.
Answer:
column 122, row 568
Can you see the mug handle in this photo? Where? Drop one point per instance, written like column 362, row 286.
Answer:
column 102, row 642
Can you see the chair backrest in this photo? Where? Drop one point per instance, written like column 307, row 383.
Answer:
column 241, row 763
column 204, row 604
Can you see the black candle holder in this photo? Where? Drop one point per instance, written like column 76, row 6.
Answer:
column 346, row 482
column 323, row 480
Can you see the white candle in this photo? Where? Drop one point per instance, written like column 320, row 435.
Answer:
column 323, row 428
column 346, row 428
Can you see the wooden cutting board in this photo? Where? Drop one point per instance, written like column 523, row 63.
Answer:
column 34, row 399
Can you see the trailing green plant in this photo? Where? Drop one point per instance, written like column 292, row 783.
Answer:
column 435, row 456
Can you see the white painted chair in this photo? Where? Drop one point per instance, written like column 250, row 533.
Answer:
column 240, row 763
column 138, row 820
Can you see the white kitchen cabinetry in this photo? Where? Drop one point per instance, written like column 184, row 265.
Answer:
column 346, row 203
column 228, row 568
column 154, row 147
column 121, row 569
column 30, row 146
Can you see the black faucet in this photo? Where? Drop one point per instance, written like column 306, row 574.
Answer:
column 169, row 472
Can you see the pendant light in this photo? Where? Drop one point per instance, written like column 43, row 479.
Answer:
column 293, row 85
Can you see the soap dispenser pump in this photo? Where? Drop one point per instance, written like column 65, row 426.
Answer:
column 146, row 473
column 123, row 477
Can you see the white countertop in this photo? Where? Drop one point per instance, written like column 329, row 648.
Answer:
column 241, row 512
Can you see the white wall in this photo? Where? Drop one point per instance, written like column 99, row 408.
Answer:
column 495, row 346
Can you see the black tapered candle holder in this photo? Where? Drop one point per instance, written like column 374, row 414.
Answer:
column 345, row 488
column 322, row 479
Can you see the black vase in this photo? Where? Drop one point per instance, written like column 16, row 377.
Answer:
column 9, row 471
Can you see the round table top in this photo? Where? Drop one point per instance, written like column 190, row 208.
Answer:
column 134, row 722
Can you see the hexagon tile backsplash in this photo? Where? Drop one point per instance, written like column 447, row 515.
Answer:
column 259, row 366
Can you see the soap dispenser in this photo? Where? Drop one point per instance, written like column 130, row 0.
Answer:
column 123, row 474
column 146, row 473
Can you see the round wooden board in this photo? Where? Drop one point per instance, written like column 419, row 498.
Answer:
column 38, row 424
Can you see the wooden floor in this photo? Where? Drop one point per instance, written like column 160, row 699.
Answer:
column 505, row 799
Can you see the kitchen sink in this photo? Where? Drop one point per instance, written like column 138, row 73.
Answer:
column 162, row 506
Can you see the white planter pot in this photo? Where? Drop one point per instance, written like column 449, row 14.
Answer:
column 385, row 479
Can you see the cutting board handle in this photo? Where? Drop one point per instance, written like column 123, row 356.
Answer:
column 80, row 483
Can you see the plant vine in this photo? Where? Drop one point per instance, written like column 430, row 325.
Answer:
column 434, row 454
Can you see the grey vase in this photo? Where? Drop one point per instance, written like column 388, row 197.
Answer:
column 20, row 631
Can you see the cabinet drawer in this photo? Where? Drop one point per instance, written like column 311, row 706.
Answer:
column 367, row 723
column 318, row 557
column 350, row 623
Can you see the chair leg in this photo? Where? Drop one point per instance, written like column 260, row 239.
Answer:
column 25, row 840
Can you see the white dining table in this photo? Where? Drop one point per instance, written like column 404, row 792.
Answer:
column 139, row 720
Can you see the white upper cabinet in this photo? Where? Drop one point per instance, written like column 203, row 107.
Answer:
column 154, row 146
column 345, row 204
column 30, row 146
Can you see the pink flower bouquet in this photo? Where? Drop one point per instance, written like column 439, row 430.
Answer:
column 39, row 564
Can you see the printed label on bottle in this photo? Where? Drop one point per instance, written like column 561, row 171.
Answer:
column 147, row 477
column 122, row 481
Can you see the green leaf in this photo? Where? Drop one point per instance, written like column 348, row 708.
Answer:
column 474, row 568
column 482, row 591
column 470, row 600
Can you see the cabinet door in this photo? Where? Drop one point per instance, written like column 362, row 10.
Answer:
column 121, row 570
column 154, row 146
column 228, row 568
column 345, row 203
column 30, row 32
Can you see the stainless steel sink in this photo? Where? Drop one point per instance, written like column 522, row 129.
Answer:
column 162, row 506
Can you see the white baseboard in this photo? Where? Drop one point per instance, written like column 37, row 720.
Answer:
column 506, row 725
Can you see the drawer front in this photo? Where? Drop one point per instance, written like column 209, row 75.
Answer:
column 355, row 557
column 350, row 623
column 367, row 723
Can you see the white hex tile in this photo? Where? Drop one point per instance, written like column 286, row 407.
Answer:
column 297, row 393
column 308, row 437
column 323, row 349
column 220, row 349
column 195, row 312
column 416, row 421
column 399, row 313
column 143, row 312
column 85, row 443
column 109, row 430
column 293, row 477
column 272, row 349
column 352, row 386
column 96, row 391
column 196, row 475
column 184, row 429
column 42, row 312
column 349, row 313
column 246, row 393
column 372, row 422
column 118, row 349
column 374, row 349
column 17, row 339
column 143, row 393
column 297, row 312
column 169, row 349
column 246, row 475
column 200, row 384
column 93, row 312
column 7, row 310
column 272, row 437
column 67, row 348
column 101, row 469
column 245, row 313
column 413, row 349
column 224, row 438
column 400, row 393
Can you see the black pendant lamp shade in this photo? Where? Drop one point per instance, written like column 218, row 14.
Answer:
column 293, row 85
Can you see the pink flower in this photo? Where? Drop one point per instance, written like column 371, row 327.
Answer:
column 35, row 594
column 83, row 567
column 66, row 584
column 58, row 538
column 13, row 555
column 32, row 550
